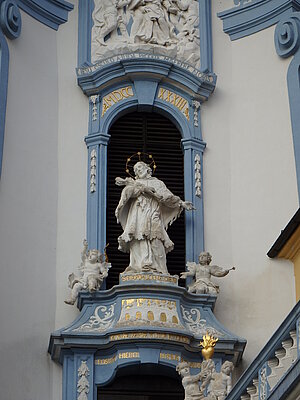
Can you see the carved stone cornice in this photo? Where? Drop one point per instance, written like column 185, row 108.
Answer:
column 253, row 16
column 49, row 12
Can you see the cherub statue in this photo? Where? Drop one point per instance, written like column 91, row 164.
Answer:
column 93, row 269
column 220, row 383
column 202, row 273
column 190, row 382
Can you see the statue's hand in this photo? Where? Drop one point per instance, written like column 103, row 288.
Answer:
column 187, row 205
column 183, row 275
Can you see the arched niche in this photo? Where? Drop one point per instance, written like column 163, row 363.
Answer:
column 143, row 381
column 175, row 104
column 152, row 134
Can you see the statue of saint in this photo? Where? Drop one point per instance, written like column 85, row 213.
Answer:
column 145, row 210
column 202, row 274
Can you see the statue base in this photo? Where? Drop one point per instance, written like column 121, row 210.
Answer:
column 148, row 278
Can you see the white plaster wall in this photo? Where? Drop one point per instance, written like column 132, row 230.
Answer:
column 28, row 207
column 72, row 172
column 250, row 182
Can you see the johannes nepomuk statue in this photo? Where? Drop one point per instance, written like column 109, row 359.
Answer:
column 145, row 210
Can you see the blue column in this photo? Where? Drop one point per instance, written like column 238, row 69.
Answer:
column 193, row 219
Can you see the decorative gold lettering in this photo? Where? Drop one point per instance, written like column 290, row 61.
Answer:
column 150, row 335
column 178, row 102
column 161, row 93
column 116, row 96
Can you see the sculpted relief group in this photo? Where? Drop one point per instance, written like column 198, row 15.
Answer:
column 166, row 27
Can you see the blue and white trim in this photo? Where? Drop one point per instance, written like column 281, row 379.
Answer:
column 255, row 15
column 49, row 12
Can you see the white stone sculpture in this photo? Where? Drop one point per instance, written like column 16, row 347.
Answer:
column 217, row 385
column 202, row 273
column 145, row 210
column 220, row 383
column 92, row 270
column 190, row 382
column 165, row 27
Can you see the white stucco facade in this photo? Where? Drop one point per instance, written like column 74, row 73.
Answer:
column 249, row 186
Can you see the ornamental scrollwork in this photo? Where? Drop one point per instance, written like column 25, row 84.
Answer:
column 195, row 324
column 10, row 19
column 287, row 38
column 102, row 319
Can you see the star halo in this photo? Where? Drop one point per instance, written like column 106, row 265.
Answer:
column 139, row 156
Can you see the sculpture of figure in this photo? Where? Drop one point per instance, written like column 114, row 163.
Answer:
column 190, row 382
column 208, row 368
column 145, row 210
column 202, row 273
column 107, row 19
column 149, row 23
column 221, row 384
column 92, row 272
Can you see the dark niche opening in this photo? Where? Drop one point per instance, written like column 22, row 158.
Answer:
column 154, row 134
column 142, row 387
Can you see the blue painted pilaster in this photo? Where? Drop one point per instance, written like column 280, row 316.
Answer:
column 193, row 219
column 205, row 35
column 96, row 202
column 78, row 375
column 85, row 23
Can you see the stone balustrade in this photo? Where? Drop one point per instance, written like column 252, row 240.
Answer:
column 276, row 368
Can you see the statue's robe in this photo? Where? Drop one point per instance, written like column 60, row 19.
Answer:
column 145, row 220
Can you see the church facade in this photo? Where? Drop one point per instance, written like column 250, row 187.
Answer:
column 204, row 92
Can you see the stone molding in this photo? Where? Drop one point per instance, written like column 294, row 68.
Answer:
column 49, row 12
column 254, row 16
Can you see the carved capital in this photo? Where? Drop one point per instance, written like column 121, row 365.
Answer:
column 287, row 36
column 10, row 19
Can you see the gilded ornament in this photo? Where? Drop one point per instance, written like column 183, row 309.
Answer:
column 208, row 345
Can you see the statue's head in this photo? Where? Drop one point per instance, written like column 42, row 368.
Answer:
column 183, row 368
column 93, row 255
column 142, row 170
column 227, row 367
column 205, row 258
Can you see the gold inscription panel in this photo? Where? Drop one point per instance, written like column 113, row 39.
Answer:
column 149, row 335
column 126, row 355
column 141, row 302
column 177, row 358
column 115, row 97
column 175, row 99
column 145, row 277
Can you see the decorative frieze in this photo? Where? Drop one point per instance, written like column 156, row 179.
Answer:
column 151, row 336
column 147, row 311
column 170, row 28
